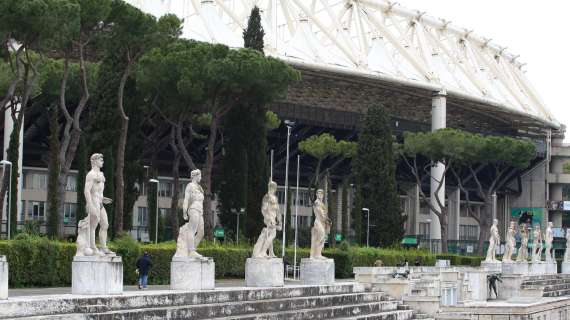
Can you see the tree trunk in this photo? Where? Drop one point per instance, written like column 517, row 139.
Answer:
column 344, row 213
column 208, row 214
column 484, row 225
column 3, row 190
column 443, row 221
column 120, row 157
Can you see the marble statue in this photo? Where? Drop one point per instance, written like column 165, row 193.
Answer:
column 192, row 232
column 548, row 238
column 321, row 227
column 494, row 241
column 511, row 242
column 96, row 214
column 523, row 250
column 536, row 244
column 567, row 252
column 270, row 209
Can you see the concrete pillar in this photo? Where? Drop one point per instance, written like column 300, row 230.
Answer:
column 8, row 127
column 438, row 121
column 454, row 214
column 413, row 209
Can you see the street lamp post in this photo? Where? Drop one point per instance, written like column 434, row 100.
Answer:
column 296, row 217
column 429, row 234
column 156, row 219
column 9, row 219
column 367, row 225
column 241, row 211
column 289, row 125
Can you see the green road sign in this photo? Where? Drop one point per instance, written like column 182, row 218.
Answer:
column 219, row 232
column 338, row 237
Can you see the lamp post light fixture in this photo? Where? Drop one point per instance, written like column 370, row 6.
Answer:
column 241, row 211
column 4, row 163
column 367, row 225
column 290, row 125
column 156, row 219
column 429, row 234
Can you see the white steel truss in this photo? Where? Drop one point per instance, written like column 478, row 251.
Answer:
column 372, row 38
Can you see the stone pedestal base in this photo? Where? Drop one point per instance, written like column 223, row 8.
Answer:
column 192, row 274
column 264, row 272
column 494, row 266
column 551, row 268
column 3, row 278
column 314, row 271
column 515, row 268
column 566, row 267
column 97, row 275
column 537, row 268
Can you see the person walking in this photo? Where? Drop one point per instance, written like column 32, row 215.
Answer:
column 143, row 267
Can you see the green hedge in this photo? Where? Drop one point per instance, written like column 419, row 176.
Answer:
column 39, row 262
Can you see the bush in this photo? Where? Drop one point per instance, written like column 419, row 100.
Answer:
column 36, row 261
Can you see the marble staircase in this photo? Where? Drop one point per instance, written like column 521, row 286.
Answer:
column 557, row 285
column 338, row 301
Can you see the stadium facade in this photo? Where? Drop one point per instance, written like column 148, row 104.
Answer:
column 427, row 72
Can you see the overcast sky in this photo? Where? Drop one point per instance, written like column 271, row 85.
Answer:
column 538, row 31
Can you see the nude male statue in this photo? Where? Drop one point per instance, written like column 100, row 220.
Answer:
column 270, row 209
column 537, row 244
column 191, row 233
column 548, row 238
column 321, row 227
column 511, row 242
column 494, row 241
column 523, row 250
column 96, row 214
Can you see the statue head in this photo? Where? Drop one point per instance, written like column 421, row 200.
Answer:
column 97, row 160
column 272, row 187
column 320, row 194
column 196, row 175
column 495, row 222
column 550, row 224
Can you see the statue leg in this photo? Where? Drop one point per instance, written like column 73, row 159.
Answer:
column 194, row 225
column 271, row 236
column 103, row 227
column 93, row 222
column 200, row 231
column 313, row 244
column 260, row 245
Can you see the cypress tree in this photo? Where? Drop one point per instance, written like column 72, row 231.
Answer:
column 375, row 170
column 53, row 173
column 244, row 167
column 109, row 191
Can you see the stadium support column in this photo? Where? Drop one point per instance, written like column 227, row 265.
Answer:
column 8, row 127
column 438, row 121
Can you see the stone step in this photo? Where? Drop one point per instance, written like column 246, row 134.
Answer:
column 250, row 311
column 353, row 301
column 69, row 304
column 550, row 287
column 422, row 316
column 556, row 293
column 404, row 307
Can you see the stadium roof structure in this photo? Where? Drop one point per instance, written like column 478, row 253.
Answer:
column 375, row 40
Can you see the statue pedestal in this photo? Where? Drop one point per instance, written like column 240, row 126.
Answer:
column 192, row 274
column 97, row 275
column 491, row 266
column 315, row 271
column 515, row 268
column 264, row 272
column 3, row 278
column 566, row 267
column 551, row 267
column 538, row 268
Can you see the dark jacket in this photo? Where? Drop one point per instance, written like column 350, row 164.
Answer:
column 144, row 264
